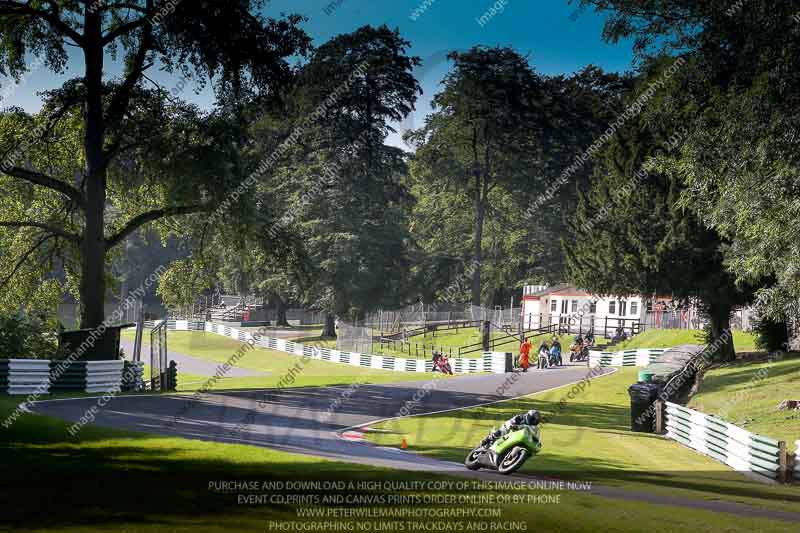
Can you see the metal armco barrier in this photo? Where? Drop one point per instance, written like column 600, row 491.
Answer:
column 760, row 457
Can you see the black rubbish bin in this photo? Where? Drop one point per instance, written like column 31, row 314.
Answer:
column 643, row 395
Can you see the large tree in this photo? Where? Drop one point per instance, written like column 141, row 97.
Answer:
column 228, row 42
column 484, row 132
column 344, row 198
column 512, row 179
column 641, row 240
column 736, row 98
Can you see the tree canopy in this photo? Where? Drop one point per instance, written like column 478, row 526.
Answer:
column 116, row 121
column 735, row 98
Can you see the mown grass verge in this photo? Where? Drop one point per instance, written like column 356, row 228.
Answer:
column 588, row 438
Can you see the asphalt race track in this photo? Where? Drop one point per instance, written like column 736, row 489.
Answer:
column 308, row 420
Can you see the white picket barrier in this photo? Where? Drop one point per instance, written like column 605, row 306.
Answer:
column 489, row 362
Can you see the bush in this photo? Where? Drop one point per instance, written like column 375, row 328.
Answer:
column 772, row 334
column 26, row 337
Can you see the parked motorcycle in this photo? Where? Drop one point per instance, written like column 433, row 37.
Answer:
column 507, row 453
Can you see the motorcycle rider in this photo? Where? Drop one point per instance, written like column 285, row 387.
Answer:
column 532, row 418
column 576, row 349
column 441, row 364
column 590, row 339
column 555, row 352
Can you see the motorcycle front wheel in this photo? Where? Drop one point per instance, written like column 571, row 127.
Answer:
column 511, row 461
column 472, row 461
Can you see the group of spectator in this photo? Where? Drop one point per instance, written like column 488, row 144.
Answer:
column 548, row 355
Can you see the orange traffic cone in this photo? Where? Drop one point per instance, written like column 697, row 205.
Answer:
column 404, row 445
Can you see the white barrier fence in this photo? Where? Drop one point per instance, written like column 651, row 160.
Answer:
column 760, row 457
column 104, row 376
column 489, row 362
column 42, row 376
column 88, row 376
column 24, row 376
column 638, row 357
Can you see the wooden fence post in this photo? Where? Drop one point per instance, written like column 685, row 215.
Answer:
column 783, row 461
column 659, row 418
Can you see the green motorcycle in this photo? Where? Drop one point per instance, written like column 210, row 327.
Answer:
column 506, row 453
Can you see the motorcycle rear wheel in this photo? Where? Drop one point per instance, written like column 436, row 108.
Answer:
column 472, row 461
column 511, row 461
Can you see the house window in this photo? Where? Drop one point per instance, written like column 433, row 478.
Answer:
column 649, row 306
column 574, row 306
column 593, row 307
column 564, row 304
column 612, row 307
column 622, row 307
column 634, row 308
column 553, row 306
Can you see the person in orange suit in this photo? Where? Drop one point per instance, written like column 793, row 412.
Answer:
column 524, row 354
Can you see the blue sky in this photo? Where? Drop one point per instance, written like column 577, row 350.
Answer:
column 545, row 30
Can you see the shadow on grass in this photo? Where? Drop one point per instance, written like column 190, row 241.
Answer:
column 113, row 478
column 65, row 486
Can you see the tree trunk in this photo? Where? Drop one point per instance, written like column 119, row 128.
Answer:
column 93, row 247
column 330, row 325
column 722, row 347
column 477, row 256
column 280, row 311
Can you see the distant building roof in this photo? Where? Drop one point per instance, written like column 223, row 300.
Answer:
column 562, row 290
column 568, row 290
